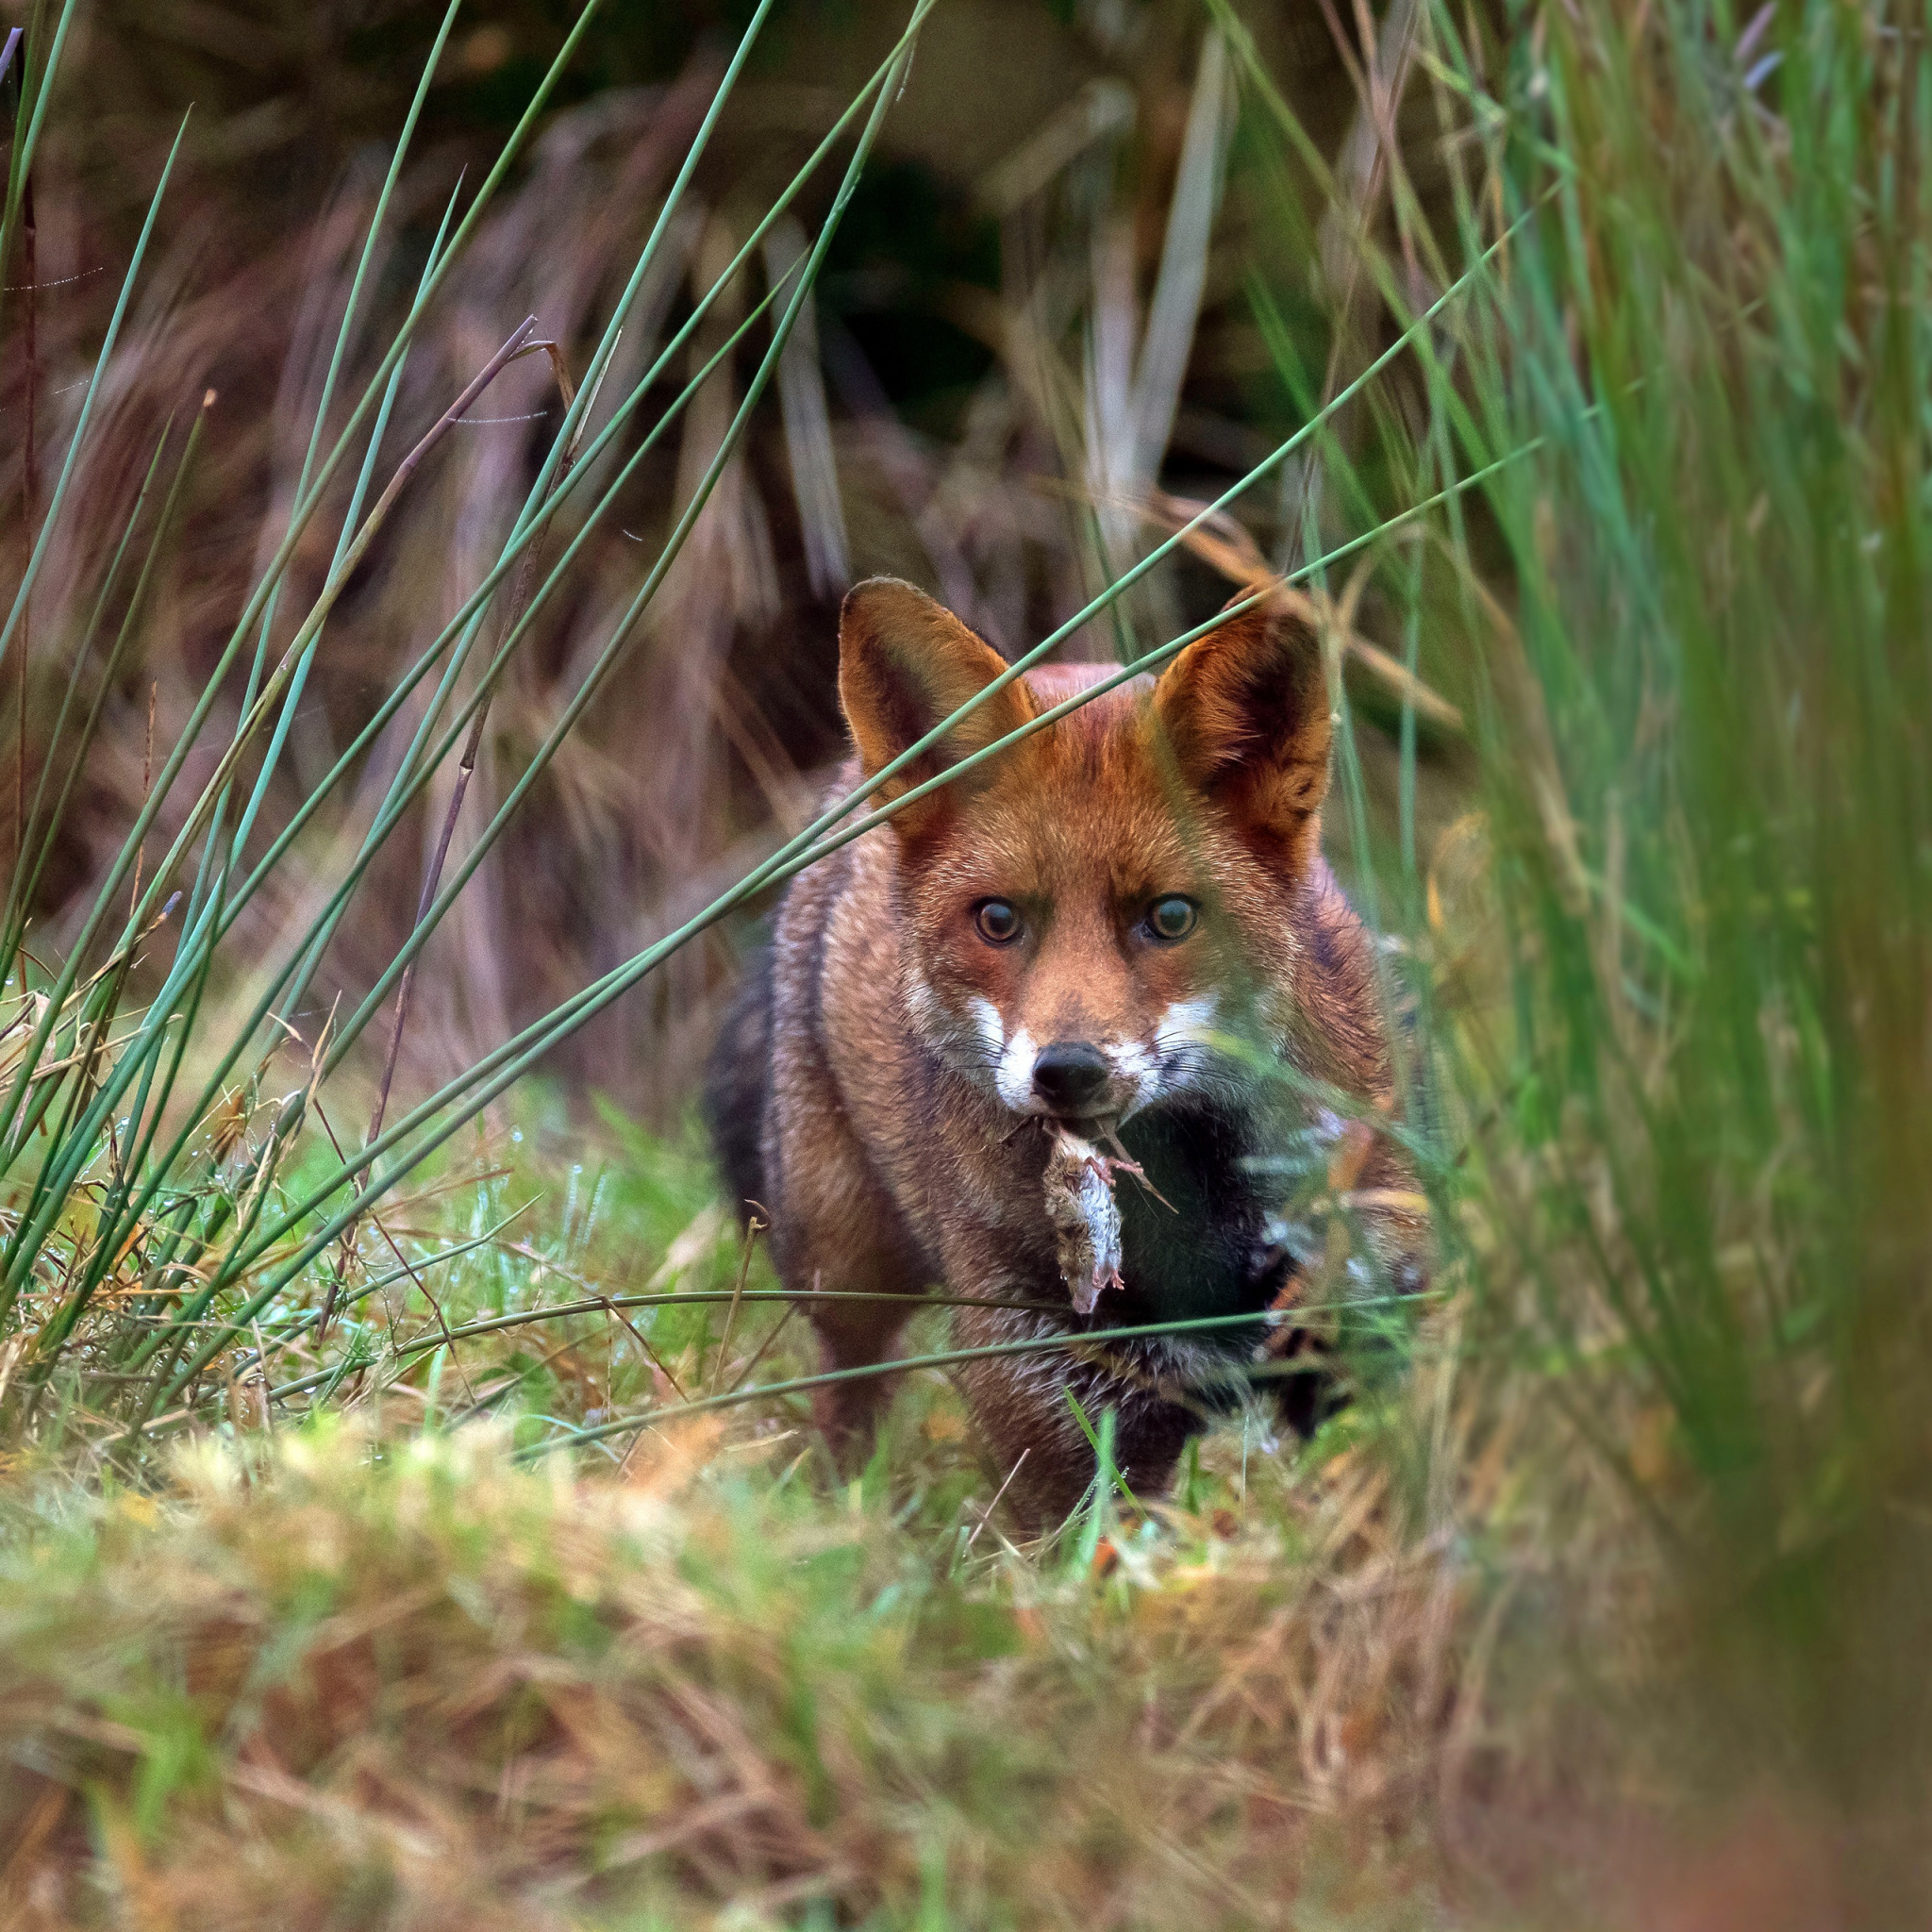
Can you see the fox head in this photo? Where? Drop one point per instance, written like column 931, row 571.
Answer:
column 1085, row 911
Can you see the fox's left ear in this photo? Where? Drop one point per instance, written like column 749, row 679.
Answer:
column 1244, row 711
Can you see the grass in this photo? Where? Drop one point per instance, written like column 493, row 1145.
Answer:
column 368, row 1559
column 317, row 1667
column 365, row 1664
column 635, row 1704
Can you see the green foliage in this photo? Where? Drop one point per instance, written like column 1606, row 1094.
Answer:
column 97, row 1190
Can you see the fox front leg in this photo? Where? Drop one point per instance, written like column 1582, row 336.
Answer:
column 1030, row 1430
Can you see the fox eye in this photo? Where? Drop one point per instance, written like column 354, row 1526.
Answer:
column 1173, row 918
column 998, row 921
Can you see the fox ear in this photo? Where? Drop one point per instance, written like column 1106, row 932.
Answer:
column 907, row 664
column 1245, row 711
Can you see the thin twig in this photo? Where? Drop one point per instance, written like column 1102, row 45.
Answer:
column 268, row 1408
column 1122, row 1162
column 1094, row 1346
column 466, row 765
column 985, row 1514
column 651, row 1354
column 753, row 1228
column 402, row 1262
column 517, row 345
column 147, row 777
column 340, row 576
column 28, row 237
column 759, row 1353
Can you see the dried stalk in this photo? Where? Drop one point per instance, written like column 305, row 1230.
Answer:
column 466, row 765
column 29, row 239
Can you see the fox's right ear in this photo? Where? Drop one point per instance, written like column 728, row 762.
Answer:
column 907, row 664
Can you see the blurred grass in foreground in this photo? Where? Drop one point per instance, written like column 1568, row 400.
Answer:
column 365, row 1670
column 1700, row 1175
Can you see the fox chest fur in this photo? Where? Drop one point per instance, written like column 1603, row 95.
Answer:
column 1119, row 926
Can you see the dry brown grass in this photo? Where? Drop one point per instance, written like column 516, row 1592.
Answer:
column 345, row 1671
column 315, row 1686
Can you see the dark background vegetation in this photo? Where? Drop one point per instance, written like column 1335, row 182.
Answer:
column 955, row 319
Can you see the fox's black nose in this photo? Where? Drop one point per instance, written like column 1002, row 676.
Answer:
column 1069, row 1074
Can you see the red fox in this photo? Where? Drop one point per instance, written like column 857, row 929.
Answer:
column 1120, row 928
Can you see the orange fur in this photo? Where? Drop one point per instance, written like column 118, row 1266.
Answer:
column 893, row 1052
